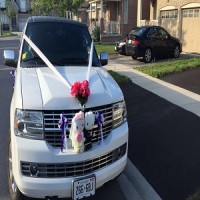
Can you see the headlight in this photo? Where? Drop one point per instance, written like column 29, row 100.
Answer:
column 29, row 124
column 119, row 113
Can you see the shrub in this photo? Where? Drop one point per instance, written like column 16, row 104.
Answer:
column 96, row 34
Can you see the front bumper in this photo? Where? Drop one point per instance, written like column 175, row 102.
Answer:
column 36, row 151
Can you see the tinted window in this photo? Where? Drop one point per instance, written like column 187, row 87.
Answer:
column 61, row 43
column 162, row 32
column 139, row 31
column 153, row 32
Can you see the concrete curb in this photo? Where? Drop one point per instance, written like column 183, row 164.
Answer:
column 134, row 185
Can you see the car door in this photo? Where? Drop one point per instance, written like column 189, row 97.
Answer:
column 155, row 41
column 165, row 46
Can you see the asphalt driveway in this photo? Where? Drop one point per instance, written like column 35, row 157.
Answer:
column 164, row 139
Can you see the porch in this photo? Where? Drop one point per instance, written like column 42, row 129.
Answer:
column 106, row 14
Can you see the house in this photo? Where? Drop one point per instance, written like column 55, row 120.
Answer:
column 4, row 20
column 181, row 19
column 115, row 17
column 20, row 13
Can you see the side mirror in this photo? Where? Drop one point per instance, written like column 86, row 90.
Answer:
column 9, row 58
column 104, row 58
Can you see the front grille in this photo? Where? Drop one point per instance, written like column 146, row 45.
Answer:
column 52, row 133
column 59, row 170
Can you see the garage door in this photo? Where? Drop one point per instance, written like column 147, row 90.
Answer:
column 191, row 29
column 169, row 20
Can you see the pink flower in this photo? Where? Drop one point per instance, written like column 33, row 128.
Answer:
column 75, row 89
column 84, row 89
column 81, row 91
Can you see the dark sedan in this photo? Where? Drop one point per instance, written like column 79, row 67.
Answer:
column 120, row 45
column 152, row 41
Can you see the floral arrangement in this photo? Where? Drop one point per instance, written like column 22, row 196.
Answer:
column 81, row 91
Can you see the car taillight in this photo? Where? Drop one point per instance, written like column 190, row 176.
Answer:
column 135, row 42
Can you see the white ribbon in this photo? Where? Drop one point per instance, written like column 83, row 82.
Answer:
column 90, row 62
column 49, row 64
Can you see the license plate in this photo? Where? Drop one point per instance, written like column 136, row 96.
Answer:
column 84, row 187
column 129, row 41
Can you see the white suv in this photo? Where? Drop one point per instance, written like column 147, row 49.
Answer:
column 55, row 53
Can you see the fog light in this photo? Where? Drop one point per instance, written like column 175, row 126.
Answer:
column 34, row 169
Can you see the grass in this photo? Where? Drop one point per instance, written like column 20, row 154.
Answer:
column 118, row 77
column 195, row 196
column 109, row 48
column 159, row 70
column 6, row 34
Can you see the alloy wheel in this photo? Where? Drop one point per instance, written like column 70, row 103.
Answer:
column 147, row 55
column 176, row 51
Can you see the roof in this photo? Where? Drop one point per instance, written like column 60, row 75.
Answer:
column 53, row 19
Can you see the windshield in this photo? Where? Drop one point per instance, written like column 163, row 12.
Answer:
column 64, row 44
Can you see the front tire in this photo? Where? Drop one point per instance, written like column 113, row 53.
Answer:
column 15, row 193
column 176, row 51
column 147, row 56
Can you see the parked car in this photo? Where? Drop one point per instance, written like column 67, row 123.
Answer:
column 54, row 152
column 120, row 43
column 152, row 41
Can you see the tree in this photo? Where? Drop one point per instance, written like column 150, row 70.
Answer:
column 55, row 7
column 10, row 12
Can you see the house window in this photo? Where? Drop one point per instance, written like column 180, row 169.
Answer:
column 191, row 12
column 172, row 14
column 23, row 6
column 125, row 11
column 196, row 13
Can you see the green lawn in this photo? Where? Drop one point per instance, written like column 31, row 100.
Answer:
column 159, row 70
column 109, row 48
column 6, row 34
column 118, row 77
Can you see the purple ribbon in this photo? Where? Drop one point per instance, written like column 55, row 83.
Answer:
column 63, row 124
column 12, row 73
column 99, row 120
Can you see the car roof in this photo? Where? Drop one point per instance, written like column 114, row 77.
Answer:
column 150, row 26
column 53, row 19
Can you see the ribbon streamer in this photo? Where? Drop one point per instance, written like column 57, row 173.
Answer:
column 90, row 62
column 47, row 62
column 63, row 124
column 50, row 65
column 100, row 119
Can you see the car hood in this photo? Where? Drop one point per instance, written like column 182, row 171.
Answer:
column 42, row 90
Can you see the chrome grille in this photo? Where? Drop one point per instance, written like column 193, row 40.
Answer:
column 52, row 133
column 58, row 170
